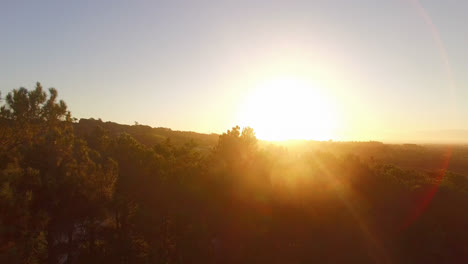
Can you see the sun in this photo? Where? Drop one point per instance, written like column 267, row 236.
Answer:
column 288, row 108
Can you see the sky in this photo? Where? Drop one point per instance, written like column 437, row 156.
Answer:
column 387, row 68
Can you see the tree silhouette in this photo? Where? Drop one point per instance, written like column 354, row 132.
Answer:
column 101, row 192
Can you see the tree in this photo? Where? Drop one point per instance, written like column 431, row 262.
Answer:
column 52, row 183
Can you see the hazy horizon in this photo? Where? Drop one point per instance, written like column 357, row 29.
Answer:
column 321, row 70
column 445, row 136
column 247, row 131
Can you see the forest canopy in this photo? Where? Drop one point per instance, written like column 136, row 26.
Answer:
column 89, row 191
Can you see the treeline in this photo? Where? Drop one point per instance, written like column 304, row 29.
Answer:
column 147, row 135
column 71, row 194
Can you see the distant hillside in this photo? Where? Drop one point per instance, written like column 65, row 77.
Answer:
column 422, row 157
column 147, row 135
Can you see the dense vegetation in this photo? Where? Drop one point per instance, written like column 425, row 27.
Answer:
column 95, row 192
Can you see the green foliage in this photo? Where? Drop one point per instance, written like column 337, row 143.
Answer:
column 95, row 192
column 50, row 183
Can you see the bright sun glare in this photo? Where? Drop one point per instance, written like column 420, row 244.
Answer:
column 288, row 108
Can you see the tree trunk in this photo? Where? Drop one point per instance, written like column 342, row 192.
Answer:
column 92, row 240
column 70, row 246
column 51, row 255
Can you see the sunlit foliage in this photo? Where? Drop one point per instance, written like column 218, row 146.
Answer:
column 96, row 192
